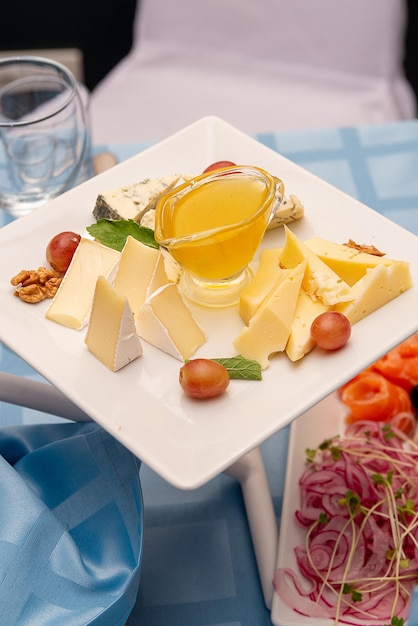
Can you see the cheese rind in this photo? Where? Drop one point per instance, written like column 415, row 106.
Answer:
column 349, row 263
column 300, row 342
column 269, row 328
column 320, row 281
column 166, row 322
column 140, row 270
column 133, row 201
column 111, row 334
column 72, row 302
column 264, row 281
column 379, row 285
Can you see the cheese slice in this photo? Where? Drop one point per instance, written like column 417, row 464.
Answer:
column 350, row 264
column 379, row 285
column 300, row 342
column 131, row 202
column 265, row 278
column 111, row 334
column 269, row 328
column 166, row 322
column 139, row 272
column 72, row 302
column 320, row 281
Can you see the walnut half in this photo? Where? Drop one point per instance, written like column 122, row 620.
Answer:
column 36, row 285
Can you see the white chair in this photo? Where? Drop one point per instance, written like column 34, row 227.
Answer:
column 261, row 65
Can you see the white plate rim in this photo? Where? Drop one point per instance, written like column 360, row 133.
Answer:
column 189, row 443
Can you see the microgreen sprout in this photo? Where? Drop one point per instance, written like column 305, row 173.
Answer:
column 364, row 489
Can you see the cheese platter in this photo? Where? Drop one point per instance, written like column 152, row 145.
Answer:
column 186, row 441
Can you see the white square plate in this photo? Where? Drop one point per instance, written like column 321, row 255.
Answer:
column 188, row 442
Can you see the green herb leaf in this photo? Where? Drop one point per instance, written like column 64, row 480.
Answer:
column 356, row 596
column 240, row 368
column 310, row 454
column 325, row 444
column 113, row 233
column 335, row 453
column 378, row 479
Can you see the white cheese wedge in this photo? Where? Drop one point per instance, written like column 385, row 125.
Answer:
column 269, row 328
column 265, row 278
column 133, row 201
column 300, row 342
column 139, row 272
column 378, row 286
column 72, row 303
column 111, row 334
column 320, row 281
column 350, row 264
column 166, row 322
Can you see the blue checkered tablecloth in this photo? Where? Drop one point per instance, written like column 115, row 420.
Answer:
column 198, row 563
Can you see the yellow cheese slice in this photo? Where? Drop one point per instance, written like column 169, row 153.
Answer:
column 72, row 302
column 320, row 281
column 269, row 328
column 350, row 264
column 300, row 342
column 265, row 278
column 379, row 285
column 139, row 272
column 166, row 322
column 111, row 334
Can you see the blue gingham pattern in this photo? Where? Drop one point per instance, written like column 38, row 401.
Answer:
column 71, row 526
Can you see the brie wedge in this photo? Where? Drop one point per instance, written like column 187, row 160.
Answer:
column 140, row 272
column 72, row 302
column 166, row 322
column 111, row 334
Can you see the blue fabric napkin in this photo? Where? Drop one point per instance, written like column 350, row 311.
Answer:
column 71, row 524
column 413, row 616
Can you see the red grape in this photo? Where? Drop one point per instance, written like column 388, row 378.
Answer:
column 331, row 330
column 60, row 250
column 217, row 165
column 203, row 378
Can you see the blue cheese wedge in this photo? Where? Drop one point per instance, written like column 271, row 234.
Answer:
column 285, row 211
column 72, row 303
column 131, row 202
column 111, row 334
column 166, row 322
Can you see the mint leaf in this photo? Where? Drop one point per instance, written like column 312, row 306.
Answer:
column 113, row 233
column 240, row 368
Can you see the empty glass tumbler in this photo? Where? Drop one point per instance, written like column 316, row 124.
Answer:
column 44, row 132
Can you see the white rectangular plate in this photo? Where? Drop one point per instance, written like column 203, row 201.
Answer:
column 324, row 420
column 188, row 442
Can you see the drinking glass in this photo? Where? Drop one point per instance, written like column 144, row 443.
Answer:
column 44, row 132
